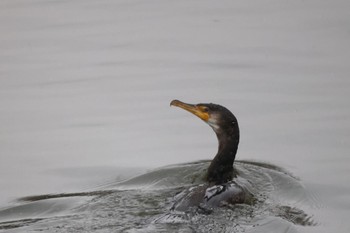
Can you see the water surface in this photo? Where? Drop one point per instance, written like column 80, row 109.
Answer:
column 85, row 88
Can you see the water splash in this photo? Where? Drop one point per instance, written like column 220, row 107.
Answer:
column 143, row 204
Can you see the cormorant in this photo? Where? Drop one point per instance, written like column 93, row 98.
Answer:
column 219, row 189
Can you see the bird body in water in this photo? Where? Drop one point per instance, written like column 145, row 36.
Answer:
column 220, row 188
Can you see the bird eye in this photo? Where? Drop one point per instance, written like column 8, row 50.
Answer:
column 205, row 109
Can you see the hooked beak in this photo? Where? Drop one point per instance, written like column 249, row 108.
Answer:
column 196, row 110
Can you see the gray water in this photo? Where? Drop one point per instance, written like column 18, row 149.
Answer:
column 87, row 135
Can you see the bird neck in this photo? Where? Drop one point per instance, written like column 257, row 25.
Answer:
column 221, row 168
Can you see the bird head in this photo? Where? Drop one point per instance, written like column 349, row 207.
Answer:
column 217, row 116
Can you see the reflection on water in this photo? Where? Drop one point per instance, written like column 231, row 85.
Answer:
column 144, row 204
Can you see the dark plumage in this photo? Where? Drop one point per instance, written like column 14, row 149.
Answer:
column 225, row 125
column 227, row 132
column 220, row 172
